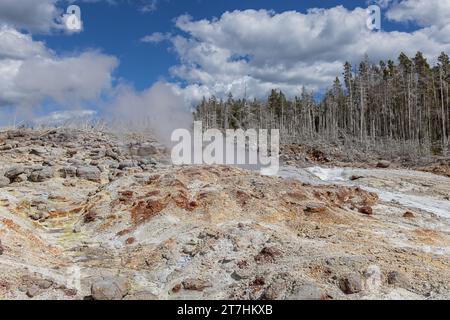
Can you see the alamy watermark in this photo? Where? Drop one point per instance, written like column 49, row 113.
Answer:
column 72, row 19
column 236, row 147
column 73, row 22
column 373, row 21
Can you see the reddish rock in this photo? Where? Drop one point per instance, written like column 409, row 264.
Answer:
column 153, row 193
column 317, row 156
column 268, row 254
column 242, row 197
column 315, row 208
column 366, row 210
column 126, row 196
column 146, row 210
column 5, row 285
column 176, row 288
column 154, row 179
column 242, row 264
column 181, row 200
column 130, row 240
column 259, row 281
column 344, row 195
column 408, row 214
column 70, row 292
column 89, row 217
column 125, row 231
column 196, row 284
column 193, row 204
column 175, row 183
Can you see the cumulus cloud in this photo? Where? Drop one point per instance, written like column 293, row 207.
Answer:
column 45, row 16
column 423, row 12
column 254, row 51
column 30, row 73
column 32, row 15
column 15, row 45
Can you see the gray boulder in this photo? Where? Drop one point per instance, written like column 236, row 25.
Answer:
column 67, row 172
column 307, row 291
column 89, row 173
column 398, row 279
column 113, row 155
column 109, row 288
column 21, row 178
column 38, row 151
column 383, row 164
column 33, row 291
column 4, row 181
column 41, row 175
column 276, row 291
column 147, row 150
column 14, row 172
column 76, row 162
column 351, row 283
column 6, row 147
column 127, row 164
column 44, row 283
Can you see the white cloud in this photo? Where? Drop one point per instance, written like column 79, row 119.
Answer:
column 15, row 45
column 32, row 15
column 46, row 16
column 149, row 6
column 76, row 78
column 261, row 50
column 423, row 12
column 156, row 37
column 30, row 73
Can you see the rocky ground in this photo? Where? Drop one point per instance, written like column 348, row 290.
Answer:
column 333, row 155
column 92, row 215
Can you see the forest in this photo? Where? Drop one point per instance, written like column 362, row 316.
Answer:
column 403, row 102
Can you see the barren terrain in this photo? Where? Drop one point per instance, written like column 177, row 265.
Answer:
column 92, row 215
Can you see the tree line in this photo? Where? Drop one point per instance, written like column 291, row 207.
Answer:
column 403, row 101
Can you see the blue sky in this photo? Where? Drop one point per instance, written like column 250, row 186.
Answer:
column 117, row 29
column 196, row 48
